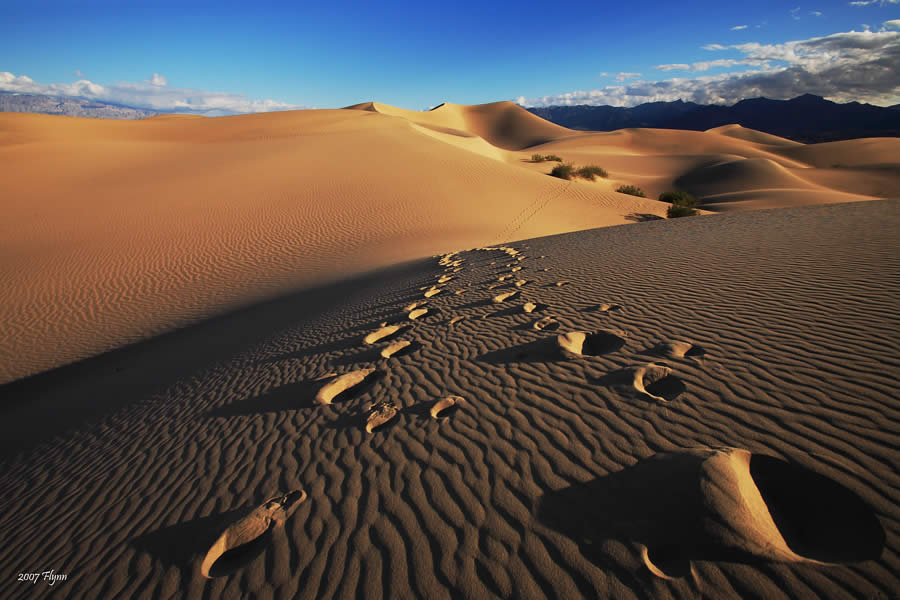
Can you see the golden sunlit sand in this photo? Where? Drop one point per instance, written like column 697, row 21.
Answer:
column 373, row 352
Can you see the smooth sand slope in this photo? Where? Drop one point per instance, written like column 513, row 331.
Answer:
column 116, row 231
column 708, row 410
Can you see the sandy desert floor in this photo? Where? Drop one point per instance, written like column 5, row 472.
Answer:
column 207, row 390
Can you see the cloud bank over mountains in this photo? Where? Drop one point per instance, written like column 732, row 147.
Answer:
column 153, row 94
column 843, row 67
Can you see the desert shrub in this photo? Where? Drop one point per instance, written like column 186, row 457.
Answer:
column 563, row 171
column 591, row 171
column 545, row 157
column 680, row 198
column 631, row 189
column 680, row 210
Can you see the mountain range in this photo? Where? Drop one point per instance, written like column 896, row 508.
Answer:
column 806, row 118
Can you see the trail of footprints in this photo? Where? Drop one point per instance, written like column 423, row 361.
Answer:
column 654, row 381
column 570, row 345
column 382, row 411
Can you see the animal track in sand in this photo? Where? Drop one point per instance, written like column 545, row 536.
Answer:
column 380, row 413
column 546, row 324
column 505, row 296
column 415, row 314
column 657, row 382
column 531, row 307
column 578, row 343
column 339, row 385
column 225, row 555
column 395, row 348
column 385, row 332
column 444, row 404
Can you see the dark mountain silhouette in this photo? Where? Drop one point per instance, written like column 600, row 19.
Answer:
column 806, row 118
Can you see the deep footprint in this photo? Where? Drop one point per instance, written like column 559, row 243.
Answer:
column 241, row 534
column 335, row 387
column 578, row 343
column 380, row 414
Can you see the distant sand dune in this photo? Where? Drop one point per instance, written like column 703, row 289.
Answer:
column 118, row 231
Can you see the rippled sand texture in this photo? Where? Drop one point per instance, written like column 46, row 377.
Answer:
column 758, row 461
column 117, row 231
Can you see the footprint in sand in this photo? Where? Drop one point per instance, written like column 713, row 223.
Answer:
column 341, row 384
column 515, row 269
column 505, row 277
column 765, row 508
column 546, row 324
column 531, row 307
column 415, row 314
column 445, row 278
column 433, row 291
column 720, row 504
column 545, row 269
column 458, row 292
column 678, row 349
column 521, row 282
column 608, row 307
column 444, row 404
column 657, row 382
column 386, row 331
column 414, row 305
column 380, row 413
column 578, row 343
column 505, row 296
column 562, row 283
column 270, row 514
column 456, row 320
column 395, row 348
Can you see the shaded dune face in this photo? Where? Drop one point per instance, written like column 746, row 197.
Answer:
column 719, row 505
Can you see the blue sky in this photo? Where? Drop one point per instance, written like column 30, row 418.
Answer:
column 231, row 56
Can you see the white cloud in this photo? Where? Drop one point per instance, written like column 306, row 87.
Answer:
column 878, row 2
column 709, row 64
column 795, row 13
column 738, row 27
column 843, row 67
column 624, row 76
column 892, row 24
column 674, row 67
column 816, row 13
column 153, row 94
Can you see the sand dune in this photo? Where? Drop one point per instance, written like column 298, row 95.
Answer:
column 115, row 231
column 200, row 314
column 761, row 465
